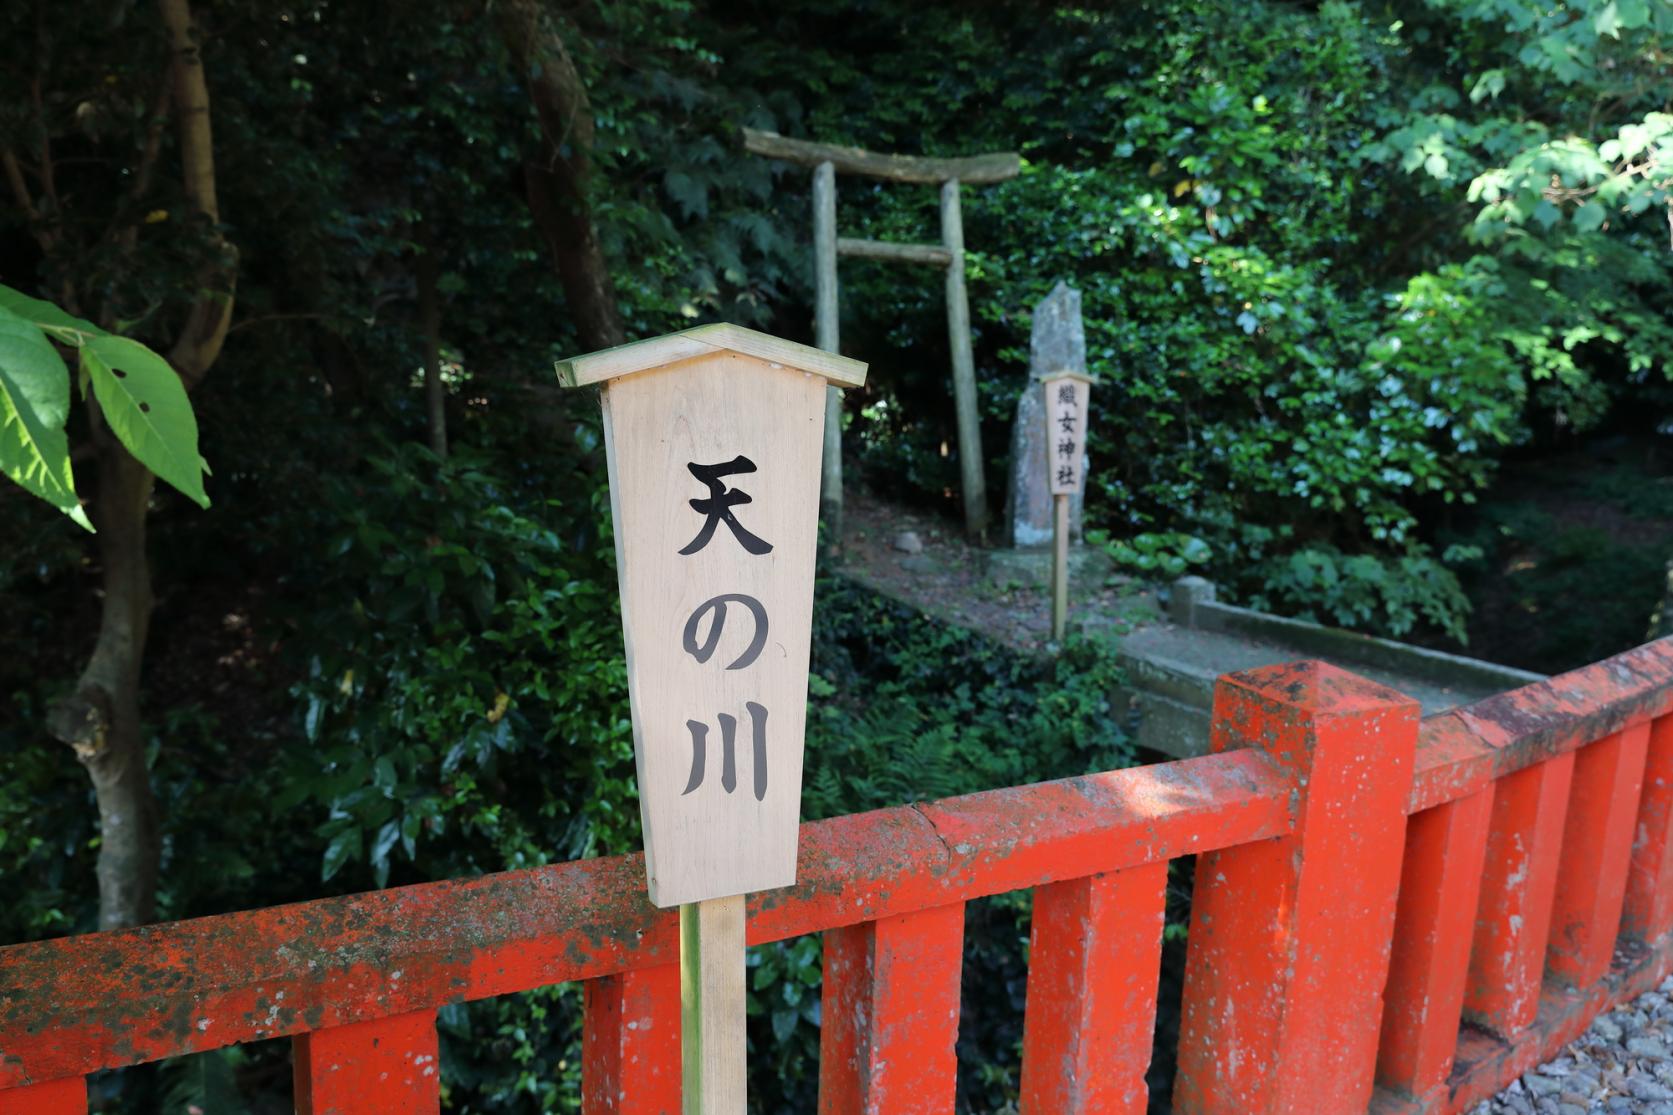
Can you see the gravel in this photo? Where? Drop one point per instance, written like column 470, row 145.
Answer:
column 1622, row 1065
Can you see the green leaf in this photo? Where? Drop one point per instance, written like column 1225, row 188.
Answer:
column 784, row 1023
column 386, row 838
column 1590, row 216
column 343, row 847
column 34, row 404
column 1632, row 13
column 45, row 314
column 1546, row 213
column 1489, row 84
column 145, row 404
column 1608, row 20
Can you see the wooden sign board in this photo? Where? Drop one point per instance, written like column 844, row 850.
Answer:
column 714, row 438
column 1068, row 395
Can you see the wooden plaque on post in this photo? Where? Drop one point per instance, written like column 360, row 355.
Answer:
column 1068, row 396
column 714, row 438
column 1068, row 399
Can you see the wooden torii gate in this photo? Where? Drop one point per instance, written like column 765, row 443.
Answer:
column 826, row 160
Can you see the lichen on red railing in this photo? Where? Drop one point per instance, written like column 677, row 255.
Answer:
column 1334, row 938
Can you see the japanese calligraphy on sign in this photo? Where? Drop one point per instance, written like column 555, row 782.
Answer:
column 713, row 438
column 1067, row 396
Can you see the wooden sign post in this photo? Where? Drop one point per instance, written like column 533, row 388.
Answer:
column 713, row 438
column 1068, row 395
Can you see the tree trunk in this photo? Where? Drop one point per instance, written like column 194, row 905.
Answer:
column 100, row 719
column 558, row 180
column 427, row 273
column 199, row 341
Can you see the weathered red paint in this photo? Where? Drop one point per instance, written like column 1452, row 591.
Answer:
column 103, row 1000
column 890, row 1014
column 388, row 1066
column 1597, row 846
column 75, row 1006
column 630, row 1051
column 1647, row 913
column 1290, row 937
column 55, row 1097
column 1487, row 1063
column 1518, row 885
column 1440, row 881
column 1095, row 957
column 1294, row 915
column 1151, row 814
column 1463, row 750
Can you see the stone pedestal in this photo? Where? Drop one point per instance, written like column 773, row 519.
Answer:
column 1089, row 570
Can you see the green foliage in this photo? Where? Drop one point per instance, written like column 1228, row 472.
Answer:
column 1158, row 556
column 142, row 399
column 1561, row 149
column 1394, row 595
column 952, row 711
column 452, row 646
column 204, row 1083
column 1260, row 363
column 784, row 982
column 45, row 833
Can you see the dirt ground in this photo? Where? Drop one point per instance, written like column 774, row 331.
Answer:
column 1004, row 596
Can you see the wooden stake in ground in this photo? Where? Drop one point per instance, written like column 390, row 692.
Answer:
column 1068, row 395
column 713, row 438
column 826, row 334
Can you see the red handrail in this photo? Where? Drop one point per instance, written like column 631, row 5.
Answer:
column 1303, row 809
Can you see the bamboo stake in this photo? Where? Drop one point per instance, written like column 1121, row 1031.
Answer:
column 712, row 1040
column 964, row 369
column 825, row 332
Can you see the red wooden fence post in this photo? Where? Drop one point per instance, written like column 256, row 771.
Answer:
column 1095, row 959
column 1597, row 847
column 383, row 1067
column 1439, row 885
column 1648, row 911
column 1289, row 942
column 55, row 1097
column 890, row 1009
column 1518, row 884
column 630, row 1044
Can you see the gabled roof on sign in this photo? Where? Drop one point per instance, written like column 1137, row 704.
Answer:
column 643, row 356
column 1047, row 377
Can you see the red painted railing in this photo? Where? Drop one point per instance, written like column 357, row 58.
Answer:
column 1364, row 883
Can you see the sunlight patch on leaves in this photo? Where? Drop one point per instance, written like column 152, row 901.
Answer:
column 34, row 402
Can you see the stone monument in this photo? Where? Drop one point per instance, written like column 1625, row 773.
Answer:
column 1058, row 345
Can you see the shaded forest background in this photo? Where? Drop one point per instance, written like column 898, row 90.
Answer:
column 1378, row 294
